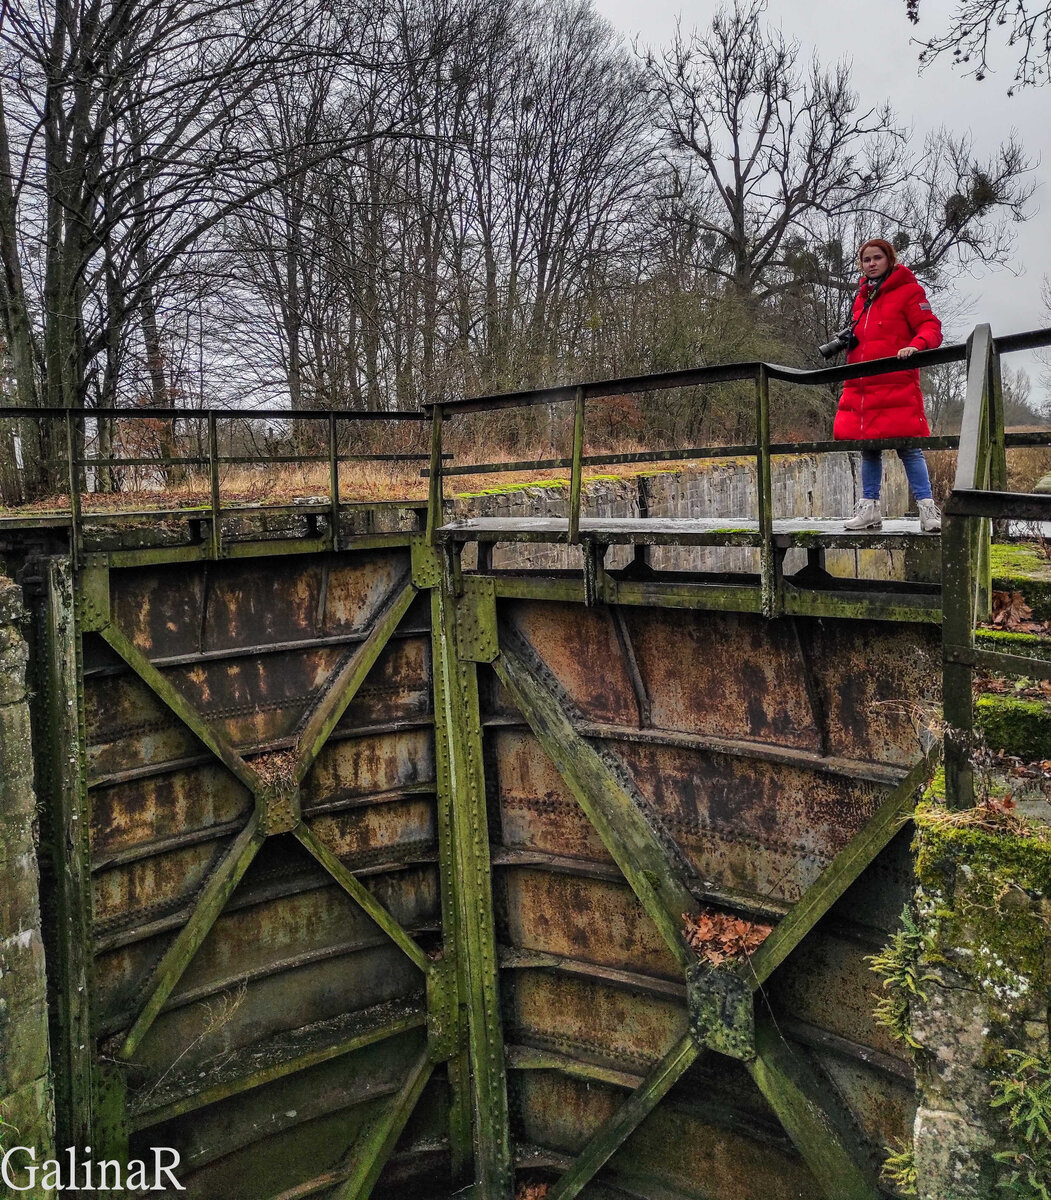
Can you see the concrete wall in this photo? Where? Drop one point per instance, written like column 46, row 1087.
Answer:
column 25, row 1093
column 980, row 1015
column 825, row 485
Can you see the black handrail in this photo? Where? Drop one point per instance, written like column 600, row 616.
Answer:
column 732, row 373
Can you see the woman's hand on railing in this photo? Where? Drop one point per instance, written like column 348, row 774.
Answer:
column 907, row 351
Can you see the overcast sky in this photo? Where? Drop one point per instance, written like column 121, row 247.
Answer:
column 877, row 38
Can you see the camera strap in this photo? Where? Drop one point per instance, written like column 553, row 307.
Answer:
column 872, row 294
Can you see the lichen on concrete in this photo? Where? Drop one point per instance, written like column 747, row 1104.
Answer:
column 25, row 1094
column 982, row 910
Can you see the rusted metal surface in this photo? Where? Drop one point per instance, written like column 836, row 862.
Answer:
column 598, row 921
column 590, row 1019
column 766, row 750
column 290, row 958
column 292, row 1028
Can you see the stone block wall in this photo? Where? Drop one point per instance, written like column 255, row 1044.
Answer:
column 25, row 1092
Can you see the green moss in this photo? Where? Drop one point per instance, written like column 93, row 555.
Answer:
column 1019, row 559
column 1018, row 727
column 980, row 886
column 1031, row 645
column 936, row 788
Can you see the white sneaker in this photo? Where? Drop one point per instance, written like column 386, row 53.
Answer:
column 930, row 517
column 867, row 515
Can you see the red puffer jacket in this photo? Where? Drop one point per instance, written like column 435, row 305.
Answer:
column 888, row 405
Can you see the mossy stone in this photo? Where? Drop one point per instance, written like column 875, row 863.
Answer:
column 1018, row 727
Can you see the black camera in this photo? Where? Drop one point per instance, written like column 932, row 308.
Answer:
column 844, row 340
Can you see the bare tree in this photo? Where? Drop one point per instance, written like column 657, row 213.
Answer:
column 768, row 147
column 118, row 153
column 978, row 28
column 780, row 163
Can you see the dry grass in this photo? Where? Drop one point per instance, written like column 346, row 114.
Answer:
column 285, row 483
column 993, row 815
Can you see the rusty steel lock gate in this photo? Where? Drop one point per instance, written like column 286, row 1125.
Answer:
column 369, row 878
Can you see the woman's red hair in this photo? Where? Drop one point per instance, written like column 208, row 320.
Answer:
column 885, row 246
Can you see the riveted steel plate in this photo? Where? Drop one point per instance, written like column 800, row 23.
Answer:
column 476, row 633
column 722, row 1010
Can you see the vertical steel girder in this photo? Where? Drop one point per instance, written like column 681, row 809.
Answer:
column 447, row 997
column 462, row 790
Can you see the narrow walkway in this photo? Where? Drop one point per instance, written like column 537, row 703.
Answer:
column 800, row 532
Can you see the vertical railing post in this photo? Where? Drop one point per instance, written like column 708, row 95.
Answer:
column 213, row 480
column 964, row 540
column 577, row 468
column 995, row 404
column 435, row 486
column 74, row 484
column 333, row 480
column 959, row 560
column 767, row 558
column 997, row 447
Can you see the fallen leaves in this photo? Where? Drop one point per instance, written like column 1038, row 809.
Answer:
column 532, row 1191
column 1010, row 611
column 1020, row 688
column 719, row 937
column 277, row 768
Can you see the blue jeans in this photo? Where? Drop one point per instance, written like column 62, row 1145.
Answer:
column 915, row 469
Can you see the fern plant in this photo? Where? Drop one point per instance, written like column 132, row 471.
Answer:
column 899, row 1168
column 899, row 963
column 1026, row 1094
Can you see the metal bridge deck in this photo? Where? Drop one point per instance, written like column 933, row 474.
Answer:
column 803, row 533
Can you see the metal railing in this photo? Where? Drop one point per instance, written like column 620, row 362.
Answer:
column 73, row 423
column 979, row 495
column 761, row 374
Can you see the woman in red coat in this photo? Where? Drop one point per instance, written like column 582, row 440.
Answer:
column 891, row 316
